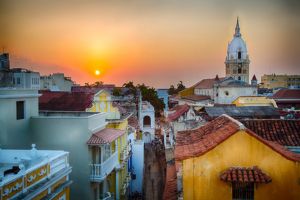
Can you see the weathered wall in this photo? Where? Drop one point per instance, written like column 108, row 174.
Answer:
column 201, row 175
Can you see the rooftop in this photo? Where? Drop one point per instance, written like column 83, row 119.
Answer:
column 65, row 101
column 105, row 136
column 284, row 132
column 23, row 160
column 178, row 111
column 193, row 143
column 243, row 112
column 207, row 83
column 287, row 94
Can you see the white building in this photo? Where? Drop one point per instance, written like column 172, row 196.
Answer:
column 34, row 174
column 147, row 121
column 26, row 79
column 56, row 82
column 17, row 107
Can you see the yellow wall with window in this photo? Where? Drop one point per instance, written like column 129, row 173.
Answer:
column 201, row 175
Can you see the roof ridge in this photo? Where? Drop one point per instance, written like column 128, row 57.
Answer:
column 240, row 124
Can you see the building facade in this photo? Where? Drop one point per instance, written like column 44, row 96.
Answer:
column 273, row 81
column 237, row 58
column 56, row 82
column 34, row 174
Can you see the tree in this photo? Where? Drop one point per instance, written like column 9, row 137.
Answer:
column 116, row 92
column 132, row 89
column 172, row 90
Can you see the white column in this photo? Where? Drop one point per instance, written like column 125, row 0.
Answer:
column 117, row 185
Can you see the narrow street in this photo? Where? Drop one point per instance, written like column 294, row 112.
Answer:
column 154, row 175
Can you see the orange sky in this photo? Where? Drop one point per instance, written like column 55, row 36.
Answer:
column 155, row 42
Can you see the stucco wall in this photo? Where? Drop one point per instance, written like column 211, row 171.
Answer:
column 201, row 175
column 69, row 134
column 233, row 93
column 13, row 132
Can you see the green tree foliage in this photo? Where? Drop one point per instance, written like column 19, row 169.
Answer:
column 116, row 92
column 148, row 94
column 172, row 90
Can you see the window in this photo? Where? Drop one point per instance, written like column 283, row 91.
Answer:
column 239, row 69
column 239, row 55
column 226, row 93
column 20, row 109
column 242, row 191
column 239, row 78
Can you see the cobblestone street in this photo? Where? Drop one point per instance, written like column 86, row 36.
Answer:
column 154, row 175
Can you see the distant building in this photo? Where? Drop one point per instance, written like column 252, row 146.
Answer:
column 24, row 78
column 237, row 58
column 34, row 174
column 56, row 82
column 254, row 101
column 5, row 75
column 273, row 81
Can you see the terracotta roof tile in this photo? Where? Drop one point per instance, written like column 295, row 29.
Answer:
column 287, row 94
column 284, row 132
column 65, row 101
column 170, row 191
column 179, row 110
column 245, row 175
column 105, row 136
column 192, row 143
column 206, row 83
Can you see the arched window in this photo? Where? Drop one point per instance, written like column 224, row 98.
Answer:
column 147, row 121
column 239, row 78
column 239, row 55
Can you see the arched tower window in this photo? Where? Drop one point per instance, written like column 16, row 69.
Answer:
column 239, row 70
column 239, row 55
column 147, row 121
column 239, row 78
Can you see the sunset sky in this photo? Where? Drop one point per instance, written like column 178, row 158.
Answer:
column 158, row 42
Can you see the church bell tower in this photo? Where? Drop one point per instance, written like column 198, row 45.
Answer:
column 237, row 59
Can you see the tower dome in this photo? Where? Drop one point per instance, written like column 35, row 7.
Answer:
column 237, row 48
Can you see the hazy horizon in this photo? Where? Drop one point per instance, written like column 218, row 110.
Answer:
column 154, row 42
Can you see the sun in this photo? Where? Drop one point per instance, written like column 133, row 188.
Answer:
column 97, row 72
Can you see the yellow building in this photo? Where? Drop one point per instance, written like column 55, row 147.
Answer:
column 276, row 81
column 34, row 174
column 254, row 101
column 110, row 150
column 225, row 160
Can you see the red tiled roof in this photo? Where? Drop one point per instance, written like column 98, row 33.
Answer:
column 245, row 175
column 105, row 136
column 170, row 191
column 192, row 143
column 206, row 83
column 65, row 101
column 284, row 132
column 179, row 110
column 196, row 97
column 92, row 89
column 287, row 94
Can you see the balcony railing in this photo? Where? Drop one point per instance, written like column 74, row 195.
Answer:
column 125, row 153
column 107, row 196
column 100, row 171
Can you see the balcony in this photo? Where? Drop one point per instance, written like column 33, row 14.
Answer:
column 98, row 172
column 125, row 153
